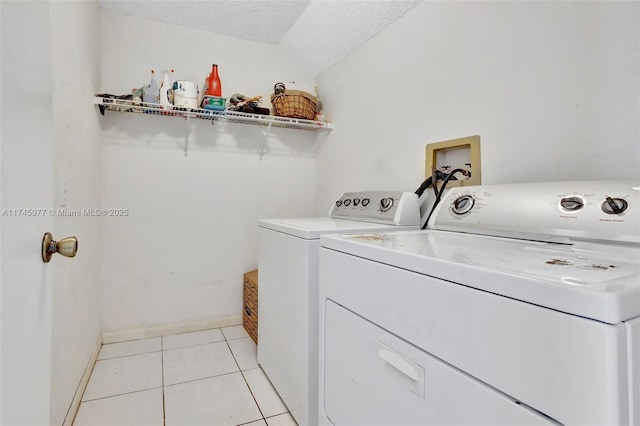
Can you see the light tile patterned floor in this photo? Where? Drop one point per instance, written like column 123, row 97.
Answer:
column 207, row 377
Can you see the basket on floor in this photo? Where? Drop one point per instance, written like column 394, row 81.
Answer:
column 293, row 103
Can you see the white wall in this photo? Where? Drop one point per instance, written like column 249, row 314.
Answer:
column 192, row 228
column 552, row 88
column 75, row 41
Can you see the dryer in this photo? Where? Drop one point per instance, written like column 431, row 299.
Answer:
column 288, row 288
column 520, row 305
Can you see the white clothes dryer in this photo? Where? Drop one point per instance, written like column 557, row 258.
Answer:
column 520, row 306
column 288, row 288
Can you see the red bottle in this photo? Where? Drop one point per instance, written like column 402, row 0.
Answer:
column 214, row 86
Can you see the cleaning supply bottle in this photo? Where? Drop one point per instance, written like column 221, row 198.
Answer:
column 165, row 90
column 214, row 86
column 151, row 93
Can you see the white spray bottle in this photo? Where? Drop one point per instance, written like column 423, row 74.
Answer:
column 165, row 89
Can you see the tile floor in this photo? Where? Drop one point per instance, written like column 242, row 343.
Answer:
column 207, row 377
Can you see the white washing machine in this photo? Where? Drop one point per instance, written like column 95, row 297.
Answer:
column 288, row 288
column 520, row 306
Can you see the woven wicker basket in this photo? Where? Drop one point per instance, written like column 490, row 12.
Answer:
column 294, row 104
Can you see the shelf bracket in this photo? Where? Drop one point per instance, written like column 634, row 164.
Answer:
column 186, row 139
column 266, row 132
column 264, row 144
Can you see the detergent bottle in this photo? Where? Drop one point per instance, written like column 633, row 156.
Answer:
column 151, row 93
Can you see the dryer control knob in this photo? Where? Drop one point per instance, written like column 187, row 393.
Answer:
column 462, row 205
column 386, row 204
column 614, row 205
column 365, row 202
column 571, row 204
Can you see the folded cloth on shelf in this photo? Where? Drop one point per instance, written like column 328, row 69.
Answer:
column 110, row 96
column 242, row 103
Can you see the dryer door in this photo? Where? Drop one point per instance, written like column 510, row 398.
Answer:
column 372, row 377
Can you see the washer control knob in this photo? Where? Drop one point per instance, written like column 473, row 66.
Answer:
column 356, row 201
column 338, row 203
column 572, row 204
column 386, row 204
column 365, row 202
column 462, row 205
column 347, row 202
column 614, row 205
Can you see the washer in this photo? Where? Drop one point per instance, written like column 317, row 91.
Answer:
column 288, row 288
column 520, row 305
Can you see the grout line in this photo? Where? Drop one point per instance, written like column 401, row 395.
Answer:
column 279, row 414
column 245, row 380
column 238, row 338
column 200, row 378
column 164, row 413
column 120, row 394
column 128, row 355
column 192, row 346
column 252, row 421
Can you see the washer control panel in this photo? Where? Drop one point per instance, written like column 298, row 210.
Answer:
column 598, row 210
column 389, row 207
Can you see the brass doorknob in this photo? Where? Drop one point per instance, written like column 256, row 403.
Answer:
column 67, row 247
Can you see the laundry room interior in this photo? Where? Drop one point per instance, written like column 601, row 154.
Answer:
column 550, row 90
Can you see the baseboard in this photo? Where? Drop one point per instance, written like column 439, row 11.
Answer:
column 77, row 398
column 167, row 329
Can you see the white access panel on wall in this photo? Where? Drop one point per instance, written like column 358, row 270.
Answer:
column 388, row 381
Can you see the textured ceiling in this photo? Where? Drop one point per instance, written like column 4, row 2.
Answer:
column 315, row 33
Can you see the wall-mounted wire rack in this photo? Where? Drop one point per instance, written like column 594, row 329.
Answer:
column 127, row 105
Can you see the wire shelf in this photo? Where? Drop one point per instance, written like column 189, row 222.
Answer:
column 127, row 105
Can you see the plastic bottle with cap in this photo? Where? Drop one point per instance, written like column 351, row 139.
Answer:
column 151, row 93
column 214, row 86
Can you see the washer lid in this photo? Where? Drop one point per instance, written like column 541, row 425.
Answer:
column 312, row 228
column 593, row 280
